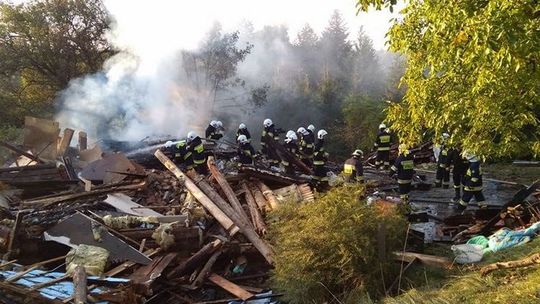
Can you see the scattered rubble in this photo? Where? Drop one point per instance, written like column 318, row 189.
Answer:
column 121, row 223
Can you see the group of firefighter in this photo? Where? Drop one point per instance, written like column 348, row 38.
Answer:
column 309, row 147
column 463, row 165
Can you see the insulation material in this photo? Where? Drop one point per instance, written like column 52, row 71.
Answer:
column 93, row 259
column 128, row 221
column 163, row 235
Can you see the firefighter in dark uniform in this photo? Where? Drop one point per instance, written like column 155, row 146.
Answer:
column 291, row 146
column 270, row 153
column 320, row 157
column 382, row 145
column 353, row 170
column 307, row 145
column 472, row 183
column 311, row 131
column 245, row 150
column 242, row 130
column 196, row 148
column 404, row 168
column 181, row 155
column 442, row 177
column 459, row 166
column 213, row 130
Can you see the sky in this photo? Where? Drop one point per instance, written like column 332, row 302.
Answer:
column 198, row 15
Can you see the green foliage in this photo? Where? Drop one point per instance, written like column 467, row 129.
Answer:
column 43, row 45
column 472, row 71
column 331, row 246
column 362, row 115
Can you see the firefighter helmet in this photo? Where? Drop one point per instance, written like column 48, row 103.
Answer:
column 268, row 122
column 321, row 134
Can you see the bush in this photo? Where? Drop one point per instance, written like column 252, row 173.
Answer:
column 330, row 247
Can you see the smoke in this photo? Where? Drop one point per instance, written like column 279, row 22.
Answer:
column 144, row 89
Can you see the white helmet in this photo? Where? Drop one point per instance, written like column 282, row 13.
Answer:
column 268, row 122
column 321, row 134
column 301, row 130
column 445, row 136
column 242, row 139
column 168, row 144
column 191, row 136
column 219, row 124
column 242, row 126
column 291, row 135
column 214, row 123
column 382, row 126
column 311, row 128
column 358, row 152
column 469, row 156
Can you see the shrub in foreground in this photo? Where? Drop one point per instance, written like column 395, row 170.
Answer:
column 330, row 247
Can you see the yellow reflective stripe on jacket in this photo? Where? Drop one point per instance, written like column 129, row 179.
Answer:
column 318, row 163
column 285, row 163
column 383, row 149
column 384, row 139
column 199, row 148
column 404, row 181
column 188, row 155
column 348, row 169
column 407, row 164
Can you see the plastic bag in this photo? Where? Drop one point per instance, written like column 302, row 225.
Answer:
column 468, row 253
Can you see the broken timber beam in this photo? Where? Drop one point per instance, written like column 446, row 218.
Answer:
column 66, row 141
column 288, row 155
column 256, row 216
column 79, row 285
column 227, row 190
column 261, row 201
column 269, row 194
column 230, row 287
column 428, row 260
column 219, row 215
column 21, row 152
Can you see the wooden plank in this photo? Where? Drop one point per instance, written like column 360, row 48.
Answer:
column 206, row 269
column 256, row 216
column 79, row 285
column 269, row 194
column 196, row 259
column 227, row 190
column 259, row 198
column 21, row 152
column 201, row 197
column 14, row 230
column 66, row 141
column 428, row 260
column 83, row 141
column 230, row 287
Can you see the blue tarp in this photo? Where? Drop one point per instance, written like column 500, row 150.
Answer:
column 60, row 290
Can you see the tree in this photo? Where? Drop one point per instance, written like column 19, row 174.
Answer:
column 472, row 70
column 43, row 45
column 213, row 68
column 367, row 75
column 336, row 49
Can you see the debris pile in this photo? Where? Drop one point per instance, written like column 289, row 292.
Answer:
column 83, row 225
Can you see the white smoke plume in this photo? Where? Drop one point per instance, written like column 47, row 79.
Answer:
column 143, row 90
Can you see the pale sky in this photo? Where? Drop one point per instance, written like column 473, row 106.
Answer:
column 196, row 16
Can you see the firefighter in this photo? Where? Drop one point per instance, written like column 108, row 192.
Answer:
column 242, row 130
column 404, row 168
column 320, row 156
column 307, row 144
column 213, row 130
column 245, row 150
column 270, row 153
column 311, row 130
column 442, row 177
column 382, row 145
column 353, row 170
column 181, row 154
column 459, row 166
column 291, row 146
column 472, row 183
column 196, row 148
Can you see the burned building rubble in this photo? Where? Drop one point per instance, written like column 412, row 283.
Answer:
column 122, row 223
